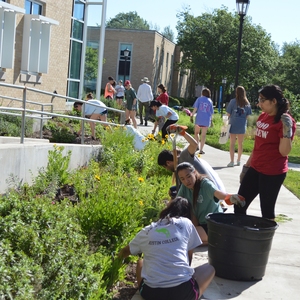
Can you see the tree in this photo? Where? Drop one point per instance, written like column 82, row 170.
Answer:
column 288, row 72
column 130, row 20
column 91, row 64
column 168, row 33
column 209, row 45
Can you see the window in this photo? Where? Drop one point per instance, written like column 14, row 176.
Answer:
column 33, row 8
column 76, row 42
column 124, row 63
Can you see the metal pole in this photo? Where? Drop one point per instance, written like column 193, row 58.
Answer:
column 239, row 51
column 41, row 123
column 101, row 50
column 23, row 116
column 82, row 123
column 222, row 102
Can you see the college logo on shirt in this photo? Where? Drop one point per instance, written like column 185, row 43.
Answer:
column 164, row 231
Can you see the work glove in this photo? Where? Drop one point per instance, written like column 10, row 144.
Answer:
column 287, row 125
column 235, row 199
column 244, row 171
column 174, row 128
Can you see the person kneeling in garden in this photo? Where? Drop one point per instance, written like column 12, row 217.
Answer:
column 93, row 112
column 204, row 197
column 166, row 272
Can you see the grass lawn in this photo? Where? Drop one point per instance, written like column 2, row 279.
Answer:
column 292, row 182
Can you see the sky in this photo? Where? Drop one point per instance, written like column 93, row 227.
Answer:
column 281, row 19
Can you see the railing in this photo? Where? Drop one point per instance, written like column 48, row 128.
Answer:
column 44, row 115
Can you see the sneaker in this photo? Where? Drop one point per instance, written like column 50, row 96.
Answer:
column 201, row 152
column 141, row 124
column 231, row 164
column 238, row 163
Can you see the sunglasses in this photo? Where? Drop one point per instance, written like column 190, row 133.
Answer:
column 262, row 100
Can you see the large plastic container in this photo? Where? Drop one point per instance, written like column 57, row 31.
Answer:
column 239, row 245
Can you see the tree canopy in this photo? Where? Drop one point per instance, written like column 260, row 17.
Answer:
column 130, row 20
column 209, row 44
column 287, row 74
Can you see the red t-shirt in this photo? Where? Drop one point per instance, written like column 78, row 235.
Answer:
column 163, row 98
column 266, row 157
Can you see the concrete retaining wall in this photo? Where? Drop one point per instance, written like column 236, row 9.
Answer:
column 24, row 160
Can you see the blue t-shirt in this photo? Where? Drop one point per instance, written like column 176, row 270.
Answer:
column 205, row 111
column 238, row 117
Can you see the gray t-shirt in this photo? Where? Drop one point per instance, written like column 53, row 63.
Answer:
column 98, row 108
column 202, row 166
column 165, row 246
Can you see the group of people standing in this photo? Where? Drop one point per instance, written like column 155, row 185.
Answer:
column 143, row 103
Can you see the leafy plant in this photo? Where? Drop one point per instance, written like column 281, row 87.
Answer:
column 11, row 125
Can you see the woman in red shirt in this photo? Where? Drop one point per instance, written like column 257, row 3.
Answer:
column 163, row 97
column 267, row 165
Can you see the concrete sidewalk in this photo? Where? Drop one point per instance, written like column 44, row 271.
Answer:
column 282, row 277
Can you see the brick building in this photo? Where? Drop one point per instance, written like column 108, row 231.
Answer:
column 150, row 55
column 42, row 46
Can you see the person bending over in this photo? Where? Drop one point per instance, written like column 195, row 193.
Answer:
column 93, row 112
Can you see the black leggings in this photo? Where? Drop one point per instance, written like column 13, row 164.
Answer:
column 267, row 186
column 164, row 128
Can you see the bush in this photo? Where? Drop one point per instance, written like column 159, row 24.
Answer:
column 51, row 250
column 11, row 125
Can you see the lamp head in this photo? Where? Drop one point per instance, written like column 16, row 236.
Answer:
column 126, row 52
column 242, row 7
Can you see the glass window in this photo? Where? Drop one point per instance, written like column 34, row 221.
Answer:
column 73, row 89
column 77, row 30
column 78, row 10
column 124, row 62
column 75, row 60
column 33, row 8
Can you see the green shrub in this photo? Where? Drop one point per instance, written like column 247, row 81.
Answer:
column 11, row 125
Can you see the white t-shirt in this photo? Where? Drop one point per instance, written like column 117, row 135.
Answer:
column 165, row 246
column 120, row 90
column 92, row 109
column 163, row 110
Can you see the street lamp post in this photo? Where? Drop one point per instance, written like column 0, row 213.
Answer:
column 126, row 54
column 224, row 80
column 232, row 89
column 242, row 8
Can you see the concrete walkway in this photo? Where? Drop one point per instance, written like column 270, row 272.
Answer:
column 282, row 277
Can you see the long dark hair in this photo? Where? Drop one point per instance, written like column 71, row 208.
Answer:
column 274, row 91
column 179, row 207
column 199, row 178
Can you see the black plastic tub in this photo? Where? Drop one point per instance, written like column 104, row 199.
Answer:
column 239, row 245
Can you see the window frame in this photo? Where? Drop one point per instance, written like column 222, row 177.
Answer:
column 32, row 3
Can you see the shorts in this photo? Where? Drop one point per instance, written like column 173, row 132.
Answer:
column 98, row 112
column 188, row 290
column 120, row 97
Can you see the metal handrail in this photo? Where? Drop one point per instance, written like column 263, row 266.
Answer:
column 24, row 110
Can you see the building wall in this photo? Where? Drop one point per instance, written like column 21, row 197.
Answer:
column 143, row 57
column 56, row 79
